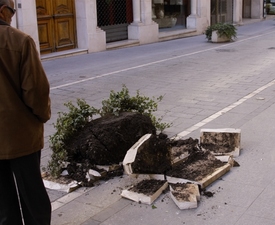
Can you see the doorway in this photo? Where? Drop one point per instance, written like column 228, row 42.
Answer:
column 221, row 11
column 246, row 8
column 56, row 25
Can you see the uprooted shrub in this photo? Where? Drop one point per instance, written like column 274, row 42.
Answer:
column 70, row 123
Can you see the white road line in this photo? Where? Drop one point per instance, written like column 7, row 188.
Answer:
column 224, row 110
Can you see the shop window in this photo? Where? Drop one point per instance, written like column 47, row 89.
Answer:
column 170, row 13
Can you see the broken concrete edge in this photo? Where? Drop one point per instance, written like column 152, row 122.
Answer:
column 236, row 131
column 142, row 198
column 234, row 153
column 179, row 159
column 174, row 180
column 62, row 187
column 194, row 195
column 130, row 157
column 206, row 181
column 191, row 191
column 151, row 176
column 221, row 130
column 226, row 159
column 92, row 174
column 192, row 203
column 108, row 167
column 132, row 152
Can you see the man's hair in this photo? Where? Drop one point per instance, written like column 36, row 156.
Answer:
column 5, row 2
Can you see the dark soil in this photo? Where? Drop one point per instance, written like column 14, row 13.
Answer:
column 148, row 187
column 219, row 142
column 179, row 191
column 155, row 155
column 106, row 140
column 179, row 186
column 198, row 165
column 181, row 147
column 208, row 194
column 180, row 196
column 152, row 157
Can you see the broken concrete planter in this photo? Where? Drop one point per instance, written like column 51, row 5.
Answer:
column 216, row 38
column 185, row 196
column 61, row 187
column 143, row 198
column 149, row 155
column 226, row 159
column 226, row 141
column 131, row 154
column 207, row 180
column 204, row 182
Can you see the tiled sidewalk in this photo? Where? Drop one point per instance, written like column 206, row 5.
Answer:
column 216, row 87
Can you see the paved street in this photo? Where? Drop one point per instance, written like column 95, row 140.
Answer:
column 205, row 85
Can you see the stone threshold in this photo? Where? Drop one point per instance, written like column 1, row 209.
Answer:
column 63, row 54
column 175, row 34
column 122, row 44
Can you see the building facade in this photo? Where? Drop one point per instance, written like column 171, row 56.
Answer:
column 92, row 25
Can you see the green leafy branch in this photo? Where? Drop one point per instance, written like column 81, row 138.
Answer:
column 69, row 123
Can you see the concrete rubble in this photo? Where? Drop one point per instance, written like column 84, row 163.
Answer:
column 217, row 138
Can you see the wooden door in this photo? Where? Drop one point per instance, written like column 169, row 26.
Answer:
column 56, row 25
column 246, row 8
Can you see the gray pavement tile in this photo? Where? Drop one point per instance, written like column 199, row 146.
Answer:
column 264, row 205
column 246, row 174
column 120, row 204
column 246, row 108
column 104, row 214
column 108, row 192
column 55, row 195
column 166, row 212
column 254, row 220
column 229, row 118
column 235, row 194
column 91, row 222
column 74, row 213
column 101, row 196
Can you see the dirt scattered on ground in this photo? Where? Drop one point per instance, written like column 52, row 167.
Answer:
column 198, row 165
column 106, row 140
column 208, row 194
column 147, row 187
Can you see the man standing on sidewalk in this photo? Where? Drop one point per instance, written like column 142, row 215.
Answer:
column 24, row 108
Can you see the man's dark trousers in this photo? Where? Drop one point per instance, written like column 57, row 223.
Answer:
column 34, row 200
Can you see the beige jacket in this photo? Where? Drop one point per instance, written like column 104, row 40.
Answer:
column 24, row 95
